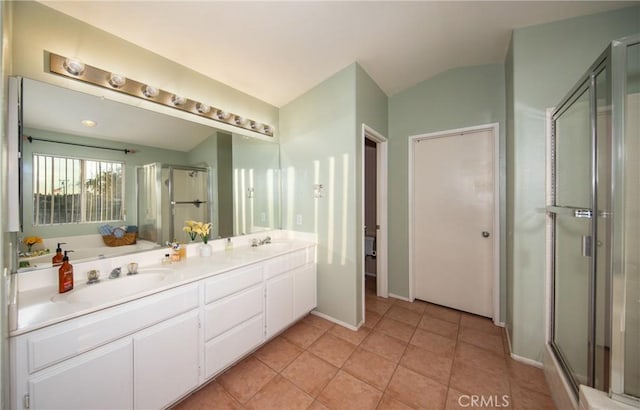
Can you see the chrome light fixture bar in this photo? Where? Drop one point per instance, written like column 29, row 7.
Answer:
column 77, row 70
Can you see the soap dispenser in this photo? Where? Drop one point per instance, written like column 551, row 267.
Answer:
column 65, row 275
column 57, row 258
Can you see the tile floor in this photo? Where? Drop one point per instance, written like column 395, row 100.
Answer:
column 406, row 356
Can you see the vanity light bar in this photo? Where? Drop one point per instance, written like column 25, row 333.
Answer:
column 75, row 69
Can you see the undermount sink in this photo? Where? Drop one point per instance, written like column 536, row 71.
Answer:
column 112, row 289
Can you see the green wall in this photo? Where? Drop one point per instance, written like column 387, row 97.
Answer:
column 546, row 62
column 456, row 98
column 318, row 146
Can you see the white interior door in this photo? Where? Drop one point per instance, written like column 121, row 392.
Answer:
column 453, row 220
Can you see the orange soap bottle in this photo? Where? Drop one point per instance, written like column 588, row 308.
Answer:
column 65, row 275
column 57, row 258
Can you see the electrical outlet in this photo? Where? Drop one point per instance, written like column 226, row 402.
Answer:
column 298, row 219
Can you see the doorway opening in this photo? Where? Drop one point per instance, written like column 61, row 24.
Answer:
column 374, row 213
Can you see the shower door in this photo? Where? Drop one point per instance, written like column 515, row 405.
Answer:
column 580, row 213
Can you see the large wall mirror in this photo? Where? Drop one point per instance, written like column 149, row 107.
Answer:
column 89, row 163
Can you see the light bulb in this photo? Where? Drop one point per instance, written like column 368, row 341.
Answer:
column 240, row 120
column 222, row 115
column 203, row 108
column 178, row 100
column 117, row 80
column 149, row 91
column 73, row 66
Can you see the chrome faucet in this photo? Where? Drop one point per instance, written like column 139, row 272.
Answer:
column 255, row 242
column 115, row 273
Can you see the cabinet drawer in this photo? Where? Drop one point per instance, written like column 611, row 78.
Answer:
column 285, row 263
column 230, row 312
column 232, row 345
column 59, row 342
column 232, row 282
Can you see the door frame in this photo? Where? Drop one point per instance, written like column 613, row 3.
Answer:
column 382, row 278
column 494, row 128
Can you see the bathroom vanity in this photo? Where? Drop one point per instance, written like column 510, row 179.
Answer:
column 147, row 340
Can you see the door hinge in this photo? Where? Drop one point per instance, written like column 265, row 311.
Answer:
column 27, row 401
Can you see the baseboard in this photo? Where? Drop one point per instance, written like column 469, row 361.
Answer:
column 526, row 360
column 391, row 295
column 336, row 321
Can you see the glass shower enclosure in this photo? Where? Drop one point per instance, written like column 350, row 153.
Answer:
column 168, row 195
column 595, row 213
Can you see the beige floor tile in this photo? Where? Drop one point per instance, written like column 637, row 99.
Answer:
column 317, row 321
column 371, row 319
column 280, row 393
column 213, row 395
column 433, row 343
column 480, row 323
column 378, row 305
column 389, row 403
column 482, row 339
column 481, row 358
column 370, row 368
column 278, row 353
column 439, row 326
column 351, row 336
column 348, row 392
column 302, row 334
column 528, row 377
column 417, row 306
column 472, row 380
column 399, row 330
column 428, row 364
column 332, row 349
column 310, row 373
column 416, row 390
column 246, row 378
column 316, row 405
column 403, row 315
column 524, row 399
column 386, row 346
column 444, row 313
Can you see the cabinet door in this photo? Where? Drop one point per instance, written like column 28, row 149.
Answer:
column 304, row 290
column 99, row 379
column 165, row 360
column 279, row 307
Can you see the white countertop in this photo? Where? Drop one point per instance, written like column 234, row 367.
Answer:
column 36, row 307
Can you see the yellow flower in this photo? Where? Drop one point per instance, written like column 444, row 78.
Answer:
column 32, row 240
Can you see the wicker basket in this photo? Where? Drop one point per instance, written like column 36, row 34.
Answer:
column 129, row 238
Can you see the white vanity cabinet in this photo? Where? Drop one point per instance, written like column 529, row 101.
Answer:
column 119, row 358
column 100, row 379
column 290, row 289
column 233, row 317
column 166, row 361
column 150, row 352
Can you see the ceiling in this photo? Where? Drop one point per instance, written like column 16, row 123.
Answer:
column 276, row 51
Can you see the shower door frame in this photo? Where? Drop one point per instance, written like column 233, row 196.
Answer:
column 172, row 204
column 586, row 83
column 618, row 274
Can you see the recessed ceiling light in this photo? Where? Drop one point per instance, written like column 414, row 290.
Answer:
column 89, row 123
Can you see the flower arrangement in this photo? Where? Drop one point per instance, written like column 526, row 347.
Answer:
column 31, row 240
column 193, row 229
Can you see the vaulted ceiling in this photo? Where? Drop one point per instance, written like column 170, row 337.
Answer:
column 276, row 51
